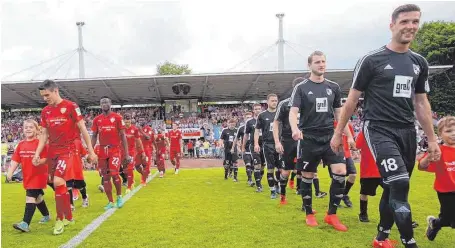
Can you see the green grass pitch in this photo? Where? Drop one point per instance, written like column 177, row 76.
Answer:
column 197, row 208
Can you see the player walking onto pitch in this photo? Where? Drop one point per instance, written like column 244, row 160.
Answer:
column 444, row 183
column 176, row 146
column 319, row 103
column 230, row 149
column 136, row 151
column 161, row 144
column 248, row 143
column 285, row 145
column 264, row 125
column 62, row 123
column 34, row 176
column 109, row 129
column 147, row 137
column 246, row 159
column 394, row 81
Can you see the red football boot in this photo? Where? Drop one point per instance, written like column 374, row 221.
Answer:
column 332, row 219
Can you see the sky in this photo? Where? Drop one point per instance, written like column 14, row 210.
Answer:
column 126, row 38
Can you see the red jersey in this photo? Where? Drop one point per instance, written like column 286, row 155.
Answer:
column 368, row 167
column 347, row 150
column 108, row 128
column 35, row 177
column 148, row 144
column 61, row 124
column 132, row 133
column 444, row 170
column 175, row 136
column 160, row 141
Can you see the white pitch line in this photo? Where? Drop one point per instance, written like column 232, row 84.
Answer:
column 90, row 228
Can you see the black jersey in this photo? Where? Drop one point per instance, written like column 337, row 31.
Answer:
column 282, row 115
column 390, row 81
column 265, row 125
column 316, row 102
column 250, row 127
column 228, row 136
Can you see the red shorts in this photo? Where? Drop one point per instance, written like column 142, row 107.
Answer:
column 109, row 160
column 136, row 157
column 149, row 158
column 78, row 168
column 173, row 154
column 61, row 166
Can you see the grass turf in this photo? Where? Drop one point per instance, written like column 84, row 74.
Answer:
column 199, row 209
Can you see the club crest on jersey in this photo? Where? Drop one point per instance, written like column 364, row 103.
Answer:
column 112, row 119
column 416, row 69
column 329, row 91
column 62, row 110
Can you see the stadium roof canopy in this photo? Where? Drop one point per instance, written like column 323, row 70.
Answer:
column 154, row 89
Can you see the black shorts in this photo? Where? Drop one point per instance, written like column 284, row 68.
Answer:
column 311, row 152
column 368, row 186
column 76, row 184
column 251, row 158
column 272, row 157
column 290, row 154
column 447, row 201
column 394, row 149
column 350, row 167
column 230, row 158
column 34, row 192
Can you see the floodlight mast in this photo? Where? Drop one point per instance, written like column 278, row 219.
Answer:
column 81, row 50
column 280, row 42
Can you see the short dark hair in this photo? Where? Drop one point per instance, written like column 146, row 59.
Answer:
column 404, row 9
column 103, row 97
column 315, row 53
column 257, row 104
column 297, row 80
column 48, row 85
column 271, row 95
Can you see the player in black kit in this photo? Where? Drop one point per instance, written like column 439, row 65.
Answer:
column 230, row 149
column 319, row 102
column 264, row 126
column 248, row 143
column 239, row 139
column 285, row 145
column 394, row 81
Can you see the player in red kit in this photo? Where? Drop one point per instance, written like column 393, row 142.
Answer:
column 35, row 176
column 136, row 151
column 109, row 129
column 62, row 123
column 147, row 137
column 161, row 144
column 176, row 145
column 444, row 183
